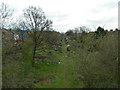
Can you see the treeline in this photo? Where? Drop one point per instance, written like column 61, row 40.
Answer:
column 96, row 57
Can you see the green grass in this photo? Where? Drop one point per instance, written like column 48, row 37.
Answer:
column 57, row 75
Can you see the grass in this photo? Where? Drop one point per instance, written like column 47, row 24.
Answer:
column 56, row 75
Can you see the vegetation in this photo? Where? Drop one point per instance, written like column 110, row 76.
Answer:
column 75, row 59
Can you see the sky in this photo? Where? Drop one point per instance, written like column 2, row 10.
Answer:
column 69, row 14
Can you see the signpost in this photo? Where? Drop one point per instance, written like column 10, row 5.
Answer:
column 22, row 33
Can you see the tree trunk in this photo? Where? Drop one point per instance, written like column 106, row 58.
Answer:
column 33, row 61
column 34, row 49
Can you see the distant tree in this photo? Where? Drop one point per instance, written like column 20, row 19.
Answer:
column 5, row 14
column 100, row 32
column 116, row 29
column 82, row 29
column 35, row 20
column 69, row 32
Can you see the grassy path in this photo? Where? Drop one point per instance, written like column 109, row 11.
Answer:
column 63, row 74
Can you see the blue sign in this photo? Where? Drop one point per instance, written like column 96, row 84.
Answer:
column 22, row 33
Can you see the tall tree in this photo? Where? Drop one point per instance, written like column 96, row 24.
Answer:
column 5, row 14
column 35, row 20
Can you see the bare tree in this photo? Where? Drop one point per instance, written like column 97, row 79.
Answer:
column 82, row 29
column 36, row 21
column 5, row 14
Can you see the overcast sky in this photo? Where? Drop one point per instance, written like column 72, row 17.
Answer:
column 68, row 14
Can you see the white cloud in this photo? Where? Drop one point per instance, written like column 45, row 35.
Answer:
column 67, row 14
